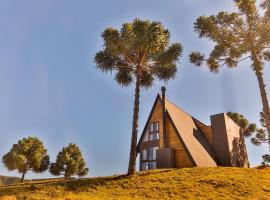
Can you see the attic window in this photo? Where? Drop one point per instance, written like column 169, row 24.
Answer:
column 154, row 127
column 154, row 131
column 146, row 137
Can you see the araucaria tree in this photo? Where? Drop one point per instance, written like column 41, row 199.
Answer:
column 240, row 120
column 138, row 53
column 28, row 154
column 238, row 36
column 69, row 162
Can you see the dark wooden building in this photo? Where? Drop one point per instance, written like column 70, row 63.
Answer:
column 174, row 139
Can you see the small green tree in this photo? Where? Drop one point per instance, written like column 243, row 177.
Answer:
column 28, row 154
column 238, row 36
column 139, row 53
column 69, row 162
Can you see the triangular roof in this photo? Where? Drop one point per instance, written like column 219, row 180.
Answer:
column 189, row 135
column 193, row 139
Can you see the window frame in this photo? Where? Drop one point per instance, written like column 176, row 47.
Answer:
column 153, row 134
column 150, row 162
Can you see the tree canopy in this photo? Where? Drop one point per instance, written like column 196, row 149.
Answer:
column 258, row 135
column 140, row 43
column 28, row 154
column 139, row 53
column 240, row 120
column 69, row 162
column 238, row 36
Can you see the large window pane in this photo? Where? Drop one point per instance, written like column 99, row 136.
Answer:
column 152, row 137
column 153, row 165
column 151, row 154
column 144, row 154
column 155, row 153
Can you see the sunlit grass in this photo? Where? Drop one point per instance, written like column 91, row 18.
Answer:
column 192, row 183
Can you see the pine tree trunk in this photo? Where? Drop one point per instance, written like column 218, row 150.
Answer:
column 266, row 109
column 23, row 175
column 133, row 147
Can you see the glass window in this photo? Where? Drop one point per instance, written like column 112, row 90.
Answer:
column 151, row 154
column 156, row 128
column 149, row 165
column 153, row 165
column 145, row 166
column 144, row 154
column 155, row 153
column 146, row 137
column 152, row 137
column 156, row 136
column 151, row 127
column 154, row 131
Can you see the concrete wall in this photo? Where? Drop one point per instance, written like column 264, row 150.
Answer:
column 228, row 142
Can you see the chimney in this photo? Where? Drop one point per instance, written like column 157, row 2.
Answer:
column 163, row 90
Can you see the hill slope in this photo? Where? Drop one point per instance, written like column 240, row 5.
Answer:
column 192, row 183
column 6, row 180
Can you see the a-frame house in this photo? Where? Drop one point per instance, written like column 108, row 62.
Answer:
column 174, row 139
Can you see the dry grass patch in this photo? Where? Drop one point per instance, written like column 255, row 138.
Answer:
column 190, row 183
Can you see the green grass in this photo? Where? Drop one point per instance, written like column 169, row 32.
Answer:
column 190, row 183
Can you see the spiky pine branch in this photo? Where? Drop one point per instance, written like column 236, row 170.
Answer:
column 238, row 36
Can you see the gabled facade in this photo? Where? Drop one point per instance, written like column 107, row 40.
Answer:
column 174, row 139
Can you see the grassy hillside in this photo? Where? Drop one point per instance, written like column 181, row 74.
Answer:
column 195, row 183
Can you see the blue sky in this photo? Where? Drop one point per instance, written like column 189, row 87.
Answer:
column 49, row 86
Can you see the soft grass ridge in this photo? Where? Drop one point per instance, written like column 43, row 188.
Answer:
column 188, row 183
